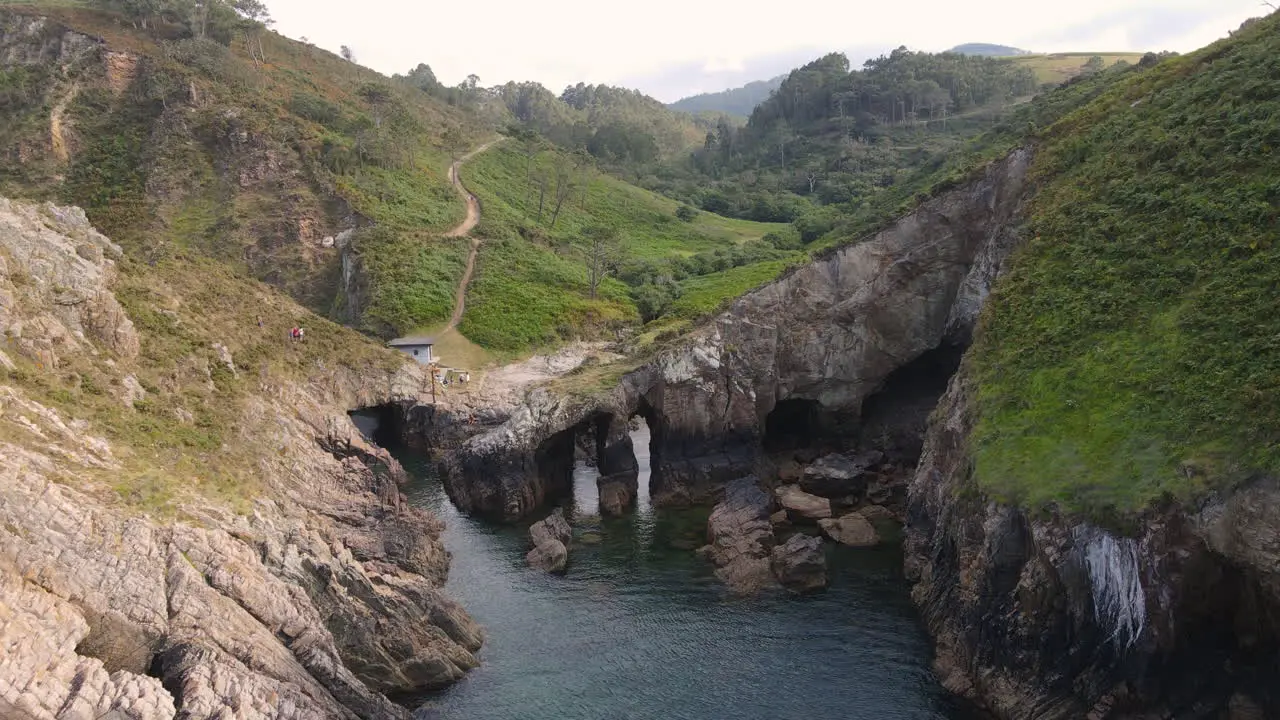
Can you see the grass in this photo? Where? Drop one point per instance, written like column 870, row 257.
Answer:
column 645, row 220
column 524, row 297
column 706, row 294
column 412, row 279
column 454, row 350
column 1132, row 353
column 1060, row 67
column 271, row 158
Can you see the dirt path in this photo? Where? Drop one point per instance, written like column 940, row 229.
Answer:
column 468, row 224
column 56, row 135
column 473, row 204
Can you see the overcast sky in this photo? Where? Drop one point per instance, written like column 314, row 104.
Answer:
column 673, row 48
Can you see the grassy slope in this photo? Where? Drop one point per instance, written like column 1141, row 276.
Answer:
column 168, row 174
column 529, row 293
column 1133, row 351
column 1060, row 67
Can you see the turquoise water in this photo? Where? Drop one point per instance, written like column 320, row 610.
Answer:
column 639, row 628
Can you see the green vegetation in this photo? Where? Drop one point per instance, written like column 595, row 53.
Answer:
column 1133, row 350
column 525, row 296
column 235, row 141
column 737, row 102
column 533, row 281
column 411, row 280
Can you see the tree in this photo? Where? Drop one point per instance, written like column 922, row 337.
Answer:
column 454, row 141
column 1094, row 65
column 602, row 252
column 347, row 54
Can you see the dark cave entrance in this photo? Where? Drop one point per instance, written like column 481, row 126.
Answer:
column 894, row 418
column 382, row 425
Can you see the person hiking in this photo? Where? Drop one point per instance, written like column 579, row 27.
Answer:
column 301, row 333
column 293, row 333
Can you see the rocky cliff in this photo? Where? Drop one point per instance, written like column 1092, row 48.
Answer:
column 128, row 583
column 793, row 360
column 1044, row 616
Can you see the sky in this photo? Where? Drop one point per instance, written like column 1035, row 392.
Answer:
column 674, row 48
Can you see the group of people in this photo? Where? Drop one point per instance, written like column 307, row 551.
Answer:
column 297, row 333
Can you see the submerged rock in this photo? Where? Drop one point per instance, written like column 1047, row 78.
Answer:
column 550, row 537
column 852, row 529
column 740, row 536
column 799, row 563
column 802, row 504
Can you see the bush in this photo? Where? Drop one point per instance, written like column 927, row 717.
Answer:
column 686, row 213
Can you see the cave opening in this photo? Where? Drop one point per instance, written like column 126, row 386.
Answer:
column 798, row 424
column 382, row 425
column 894, row 417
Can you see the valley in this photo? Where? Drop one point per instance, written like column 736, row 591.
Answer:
column 943, row 386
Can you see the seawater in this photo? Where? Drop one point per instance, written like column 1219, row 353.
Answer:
column 639, row 627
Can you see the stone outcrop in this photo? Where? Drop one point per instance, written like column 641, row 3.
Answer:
column 1048, row 617
column 852, row 529
column 800, row 505
column 799, row 563
column 740, row 536
column 816, row 343
column 838, row 476
column 550, row 537
column 318, row 598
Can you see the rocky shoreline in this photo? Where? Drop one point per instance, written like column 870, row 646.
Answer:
column 318, row 602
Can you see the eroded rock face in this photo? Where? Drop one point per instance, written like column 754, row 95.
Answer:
column 550, row 537
column 740, row 536
column 315, row 602
column 829, row 334
column 799, row 563
column 55, row 271
column 1051, row 618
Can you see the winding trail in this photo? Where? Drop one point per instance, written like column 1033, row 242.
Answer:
column 464, row 229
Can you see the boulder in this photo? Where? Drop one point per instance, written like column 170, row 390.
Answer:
column 800, row 504
column 876, row 512
column 852, row 529
column 799, row 563
column 551, row 556
column 835, row 476
column 550, row 537
column 740, row 536
column 780, row 519
column 617, row 494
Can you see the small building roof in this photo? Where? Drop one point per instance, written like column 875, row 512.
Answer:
column 412, row 340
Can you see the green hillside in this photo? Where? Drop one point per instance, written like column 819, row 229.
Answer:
column 738, row 102
column 236, row 143
column 532, row 280
column 1133, row 351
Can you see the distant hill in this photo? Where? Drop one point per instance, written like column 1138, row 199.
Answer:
column 737, row 101
column 988, row 50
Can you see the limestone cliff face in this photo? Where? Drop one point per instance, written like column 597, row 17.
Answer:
column 320, row 597
column 823, row 338
column 1049, row 617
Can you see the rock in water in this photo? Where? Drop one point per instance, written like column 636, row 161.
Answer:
column 802, row 504
column 852, row 529
column 741, row 536
column 550, row 537
column 617, row 494
column 551, row 556
column 834, row 476
column 799, row 563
